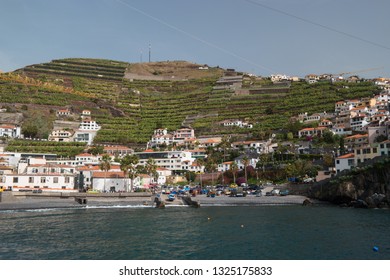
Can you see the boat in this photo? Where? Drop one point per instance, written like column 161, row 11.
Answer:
column 171, row 197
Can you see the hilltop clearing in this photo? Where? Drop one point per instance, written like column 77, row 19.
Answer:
column 171, row 70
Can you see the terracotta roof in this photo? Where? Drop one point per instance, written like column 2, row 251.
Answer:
column 357, row 136
column 7, row 126
column 85, row 155
column 51, row 165
column 109, row 174
column 351, row 155
column 162, row 169
column 88, row 168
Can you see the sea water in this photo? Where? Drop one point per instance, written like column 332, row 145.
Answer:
column 206, row 233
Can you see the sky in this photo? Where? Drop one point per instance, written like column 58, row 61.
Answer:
column 263, row 37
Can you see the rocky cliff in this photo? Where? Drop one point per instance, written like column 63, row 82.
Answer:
column 367, row 186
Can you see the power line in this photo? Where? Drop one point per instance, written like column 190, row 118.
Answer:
column 195, row 37
column 318, row 24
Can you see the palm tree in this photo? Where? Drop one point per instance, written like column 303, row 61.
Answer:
column 151, row 167
column 211, row 167
column 245, row 161
column 129, row 163
column 234, row 169
column 105, row 164
column 200, row 162
column 225, row 145
column 126, row 164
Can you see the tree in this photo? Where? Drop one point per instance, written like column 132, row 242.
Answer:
column 245, row 161
column 151, row 168
column 301, row 168
column 234, row 169
column 342, row 146
column 328, row 160
column 200, row 162
column 190, row 176
column 97, row 150
column 211, row 167
column 225, row 145
column 30, row 131
column 105, row 164
column 129, row 167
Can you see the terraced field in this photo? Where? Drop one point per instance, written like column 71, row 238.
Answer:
column 129, row 110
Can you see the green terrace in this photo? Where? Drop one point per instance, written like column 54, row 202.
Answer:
column 62, row 149
column 129, row 111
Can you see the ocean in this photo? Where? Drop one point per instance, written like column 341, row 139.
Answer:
column 206, row 233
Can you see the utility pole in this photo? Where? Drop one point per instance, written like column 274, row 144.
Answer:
column 150, row 51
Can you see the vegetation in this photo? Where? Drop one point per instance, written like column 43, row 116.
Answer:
column 62, row 149
column 129, row 110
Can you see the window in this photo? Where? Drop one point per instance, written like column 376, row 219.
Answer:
column 55, row 180
column 67, row 179
column 15, row 180
column 31, row 179
column 338, row 161
column 43, row 179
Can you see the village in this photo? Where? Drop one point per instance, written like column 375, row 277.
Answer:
column 363, row 124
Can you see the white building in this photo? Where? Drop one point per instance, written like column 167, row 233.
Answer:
column 345, row 162
column 63, row 113
column 110, row 181
column 163, row 174
column 171, row 160
column 341, row 130
column 61, row 135
column 224, row 166
column 87, row 130
column 45, row 182
column 10, row 131
column 37, row 174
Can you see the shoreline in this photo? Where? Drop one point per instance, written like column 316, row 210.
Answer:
column 39, row 202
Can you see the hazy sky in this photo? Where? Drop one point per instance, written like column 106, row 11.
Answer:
column 264, row 37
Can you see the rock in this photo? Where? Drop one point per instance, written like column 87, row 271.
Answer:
column 376, row 201
column 359, row 204
column 307, row 202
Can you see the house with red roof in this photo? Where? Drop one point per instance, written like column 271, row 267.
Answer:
column 10, row 131
column 345, row 162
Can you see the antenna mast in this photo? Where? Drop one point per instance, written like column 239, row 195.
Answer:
column 150, row 51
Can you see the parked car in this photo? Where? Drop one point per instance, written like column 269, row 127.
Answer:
column 284, row 192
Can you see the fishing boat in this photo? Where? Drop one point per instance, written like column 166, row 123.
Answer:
column 171, row 197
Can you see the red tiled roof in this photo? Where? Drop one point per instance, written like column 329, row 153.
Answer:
column 110, row 174
column 351, row 155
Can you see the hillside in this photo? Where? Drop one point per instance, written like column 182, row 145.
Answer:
column 131, row 100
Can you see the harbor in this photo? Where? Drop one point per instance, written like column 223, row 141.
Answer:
column 24, row 201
